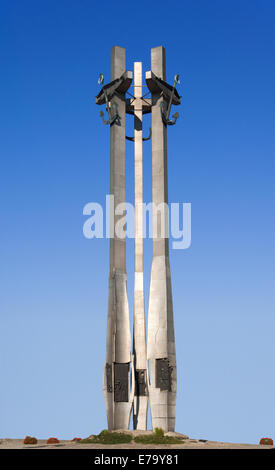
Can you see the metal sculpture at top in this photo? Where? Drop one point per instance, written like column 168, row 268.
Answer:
column 167, row 90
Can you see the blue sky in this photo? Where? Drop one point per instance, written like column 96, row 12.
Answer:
column 54, row 159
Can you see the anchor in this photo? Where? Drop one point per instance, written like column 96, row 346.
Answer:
column 112, row 116
column 132, row 139
column 165, row 112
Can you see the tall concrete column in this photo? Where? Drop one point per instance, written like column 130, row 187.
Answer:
column 118, row 348
column 161, row 353
column 139, row 340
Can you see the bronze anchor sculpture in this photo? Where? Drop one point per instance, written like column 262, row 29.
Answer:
column 165, row 113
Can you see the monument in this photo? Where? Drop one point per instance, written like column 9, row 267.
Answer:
column 149, row 371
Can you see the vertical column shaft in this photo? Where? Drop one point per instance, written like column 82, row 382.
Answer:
column 140, row 360
column 118, row 347
column 161, row 343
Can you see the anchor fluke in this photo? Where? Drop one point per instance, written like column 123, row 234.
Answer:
column 165, row 115
column 112, row 118
column 132, row 139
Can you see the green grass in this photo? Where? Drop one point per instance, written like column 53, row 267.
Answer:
column 157, row 438
column 112, row 438
column 108, row 438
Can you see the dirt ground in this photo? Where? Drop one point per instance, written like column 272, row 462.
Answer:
column 188, row 443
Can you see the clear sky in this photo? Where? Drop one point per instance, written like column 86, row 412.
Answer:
column 54, row 159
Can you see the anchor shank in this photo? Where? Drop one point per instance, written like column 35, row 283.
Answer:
column 107, row 104
column 170, row 101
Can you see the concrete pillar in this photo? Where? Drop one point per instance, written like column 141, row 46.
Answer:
column 140, row 360
column 118, row 348
column 161, row 353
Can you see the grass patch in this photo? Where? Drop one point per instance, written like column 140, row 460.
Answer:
column 112, row 438
column 108, row 438
column 157, row 438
